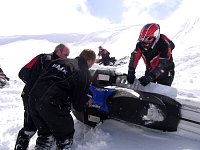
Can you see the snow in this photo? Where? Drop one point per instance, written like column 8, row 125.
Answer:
column 111, row 134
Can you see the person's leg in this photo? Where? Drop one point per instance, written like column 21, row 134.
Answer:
column 168, row 79
column 64, row 144
column 27, row 131
column 45, row 139
column 60, row 122
column 23, row 139
column 106, row 61
column 44, row 142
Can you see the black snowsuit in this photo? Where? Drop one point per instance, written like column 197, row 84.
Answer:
column 29, row 74
column 64, row 82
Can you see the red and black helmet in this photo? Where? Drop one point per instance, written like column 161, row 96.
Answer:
column 149, row 35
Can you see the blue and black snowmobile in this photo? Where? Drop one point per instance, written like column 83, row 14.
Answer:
column 110, row 100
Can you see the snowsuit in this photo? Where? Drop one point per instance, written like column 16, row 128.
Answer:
column 159, row 62
column 105, row 57
column 64, row 82
column 29, row 74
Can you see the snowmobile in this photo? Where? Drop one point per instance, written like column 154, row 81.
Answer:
column 110, row 101
column 113, row 98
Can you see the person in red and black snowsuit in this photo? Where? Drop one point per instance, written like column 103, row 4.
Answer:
column 64, row 83
column 156, row 51
column 105, row 57
column 29, row 74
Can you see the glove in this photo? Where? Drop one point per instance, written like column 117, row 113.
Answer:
column 131, row 77
column 144, row 80
column 90, row 101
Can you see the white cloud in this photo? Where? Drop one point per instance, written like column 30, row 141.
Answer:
column 186, row 10
column 186, row 16
column 142, row 11
column 47, row 16
column 137, row 11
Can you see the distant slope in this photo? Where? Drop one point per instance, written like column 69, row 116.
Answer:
column 54, row 38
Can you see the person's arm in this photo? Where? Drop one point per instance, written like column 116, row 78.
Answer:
column 107, row 52
column 165, row 55
column 81, row 90
column 98, row 60
column 171, row 43
column 133, row 62
column 25, row 72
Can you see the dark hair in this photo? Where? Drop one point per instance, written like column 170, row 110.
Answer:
column 59, row 47
column 88, row 54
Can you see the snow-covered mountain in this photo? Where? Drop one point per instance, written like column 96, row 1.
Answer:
column 120, row 41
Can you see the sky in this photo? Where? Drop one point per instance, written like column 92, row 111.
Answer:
column 112, row 134
column 111, row 10
column 32, row 17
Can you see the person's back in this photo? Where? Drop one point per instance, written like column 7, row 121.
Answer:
column 50, row 76
column 65, row 81
column 29, row 75
column 103, row 52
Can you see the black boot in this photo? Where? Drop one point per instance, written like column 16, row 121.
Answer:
column 44, row 142
column 23, row 139
column 64, row 145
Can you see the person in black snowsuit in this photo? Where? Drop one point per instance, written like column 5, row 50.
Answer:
column 65, row 82
column 29, row 74
column 156, row 51
column 106, row 60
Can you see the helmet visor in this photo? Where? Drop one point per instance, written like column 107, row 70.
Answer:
column 147, row 40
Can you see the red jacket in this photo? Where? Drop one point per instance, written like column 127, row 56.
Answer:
column 103, row 53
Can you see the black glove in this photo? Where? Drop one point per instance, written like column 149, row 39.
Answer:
column 131, row 77
column 144, row 80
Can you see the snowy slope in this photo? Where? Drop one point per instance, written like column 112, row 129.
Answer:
column 111, row 135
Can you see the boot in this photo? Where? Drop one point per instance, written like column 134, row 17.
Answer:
column 23, row 139
column 44, row 142
column 64, row 145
